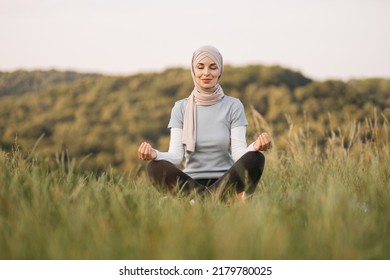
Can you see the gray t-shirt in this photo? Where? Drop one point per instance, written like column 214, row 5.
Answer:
column 212, row 156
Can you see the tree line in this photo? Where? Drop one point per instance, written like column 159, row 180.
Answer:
column 101, row 119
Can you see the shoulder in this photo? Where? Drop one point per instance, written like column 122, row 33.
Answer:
column 181, row 102
column 177, row 114
column 179, row 108
column 236, row 111
column 180, row 105
column 233, row 102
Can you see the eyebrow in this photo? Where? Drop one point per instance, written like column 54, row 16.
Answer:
column 202, row 64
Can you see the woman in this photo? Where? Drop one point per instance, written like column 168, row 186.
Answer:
column 209, row 129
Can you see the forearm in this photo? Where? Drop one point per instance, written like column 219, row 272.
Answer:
column 238, row 142
column 176, row 150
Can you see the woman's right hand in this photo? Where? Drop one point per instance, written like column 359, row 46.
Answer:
column 146, row 152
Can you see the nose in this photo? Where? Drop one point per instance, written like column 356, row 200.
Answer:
column 206, row 71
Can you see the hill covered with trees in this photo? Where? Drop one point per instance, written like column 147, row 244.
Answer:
column 102, row 119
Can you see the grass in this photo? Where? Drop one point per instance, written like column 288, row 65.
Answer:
column 312, row 203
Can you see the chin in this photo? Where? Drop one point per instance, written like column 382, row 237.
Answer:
column 208, row 86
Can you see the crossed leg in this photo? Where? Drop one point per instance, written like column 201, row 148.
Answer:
column 244, row 175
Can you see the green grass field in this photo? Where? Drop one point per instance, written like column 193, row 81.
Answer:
column 310, row 204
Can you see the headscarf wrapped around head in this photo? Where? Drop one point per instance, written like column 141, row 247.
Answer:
column 200, row 95
column 201, row 53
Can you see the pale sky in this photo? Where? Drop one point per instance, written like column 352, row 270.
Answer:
column 324, row 39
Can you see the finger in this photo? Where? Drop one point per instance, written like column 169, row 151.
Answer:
column 140, row 150
column 267, row 140
column 148, row 151
column 259, row 143
column 267, row 137
column 263, row 142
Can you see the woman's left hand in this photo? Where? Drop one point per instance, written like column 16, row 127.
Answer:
column 263, row 142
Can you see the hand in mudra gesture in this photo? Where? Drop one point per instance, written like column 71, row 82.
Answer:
column 263, row 142
column 146, row 152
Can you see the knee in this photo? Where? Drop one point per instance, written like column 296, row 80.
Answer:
column 155, row 167
column 256, row 159
column 151, row 167
column 258, row 156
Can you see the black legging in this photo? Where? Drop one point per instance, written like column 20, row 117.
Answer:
column 242, row 176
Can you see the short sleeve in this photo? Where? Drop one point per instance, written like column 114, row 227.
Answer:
column 177, row 115
column 238, row 117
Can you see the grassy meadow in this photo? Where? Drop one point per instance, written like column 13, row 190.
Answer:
column 312, row 203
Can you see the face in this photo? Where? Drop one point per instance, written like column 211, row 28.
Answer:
column 206, row 73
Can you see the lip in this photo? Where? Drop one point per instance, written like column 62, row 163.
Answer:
column 207, row 80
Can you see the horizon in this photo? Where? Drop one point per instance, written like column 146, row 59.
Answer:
column 160, row 71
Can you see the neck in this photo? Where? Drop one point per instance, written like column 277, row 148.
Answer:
column 209, row 98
